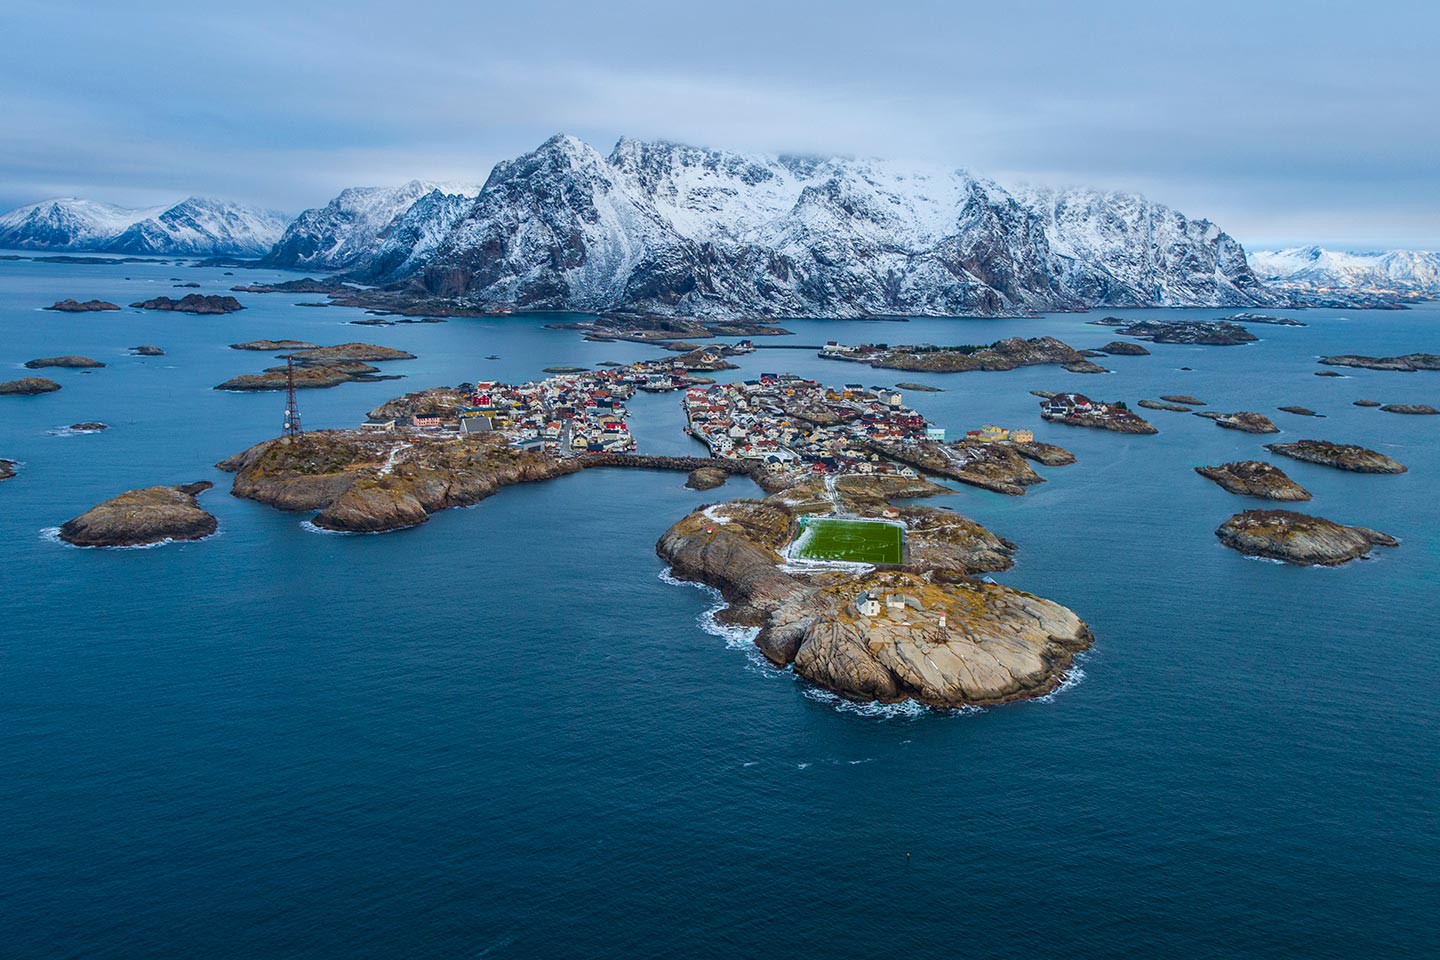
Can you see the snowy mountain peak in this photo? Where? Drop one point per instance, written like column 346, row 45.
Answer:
column 195, row 226
column 1317, row 269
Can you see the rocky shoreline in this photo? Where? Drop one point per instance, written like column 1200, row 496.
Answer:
column 945, row 640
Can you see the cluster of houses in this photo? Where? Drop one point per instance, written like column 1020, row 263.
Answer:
column 793, row 423
column 1066, row 406
column 564, row 414
column 993, row 434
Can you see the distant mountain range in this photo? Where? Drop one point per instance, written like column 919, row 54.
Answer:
column 667, row 228
column 1320, row 271
column 193, row 227
column 674, row 229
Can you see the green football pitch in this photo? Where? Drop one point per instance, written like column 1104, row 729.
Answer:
column 852, row 540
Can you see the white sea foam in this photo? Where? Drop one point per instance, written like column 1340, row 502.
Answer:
column 309, row 527
column 904, row 710
column 52, row 535
column 735, row 637
column 69, row 432
column 1072, row 678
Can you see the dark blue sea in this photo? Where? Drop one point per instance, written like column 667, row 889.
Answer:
column 505, row 734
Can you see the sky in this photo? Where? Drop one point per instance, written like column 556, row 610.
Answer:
column 1285, row 122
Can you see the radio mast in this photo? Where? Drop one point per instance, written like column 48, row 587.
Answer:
column 292, row 409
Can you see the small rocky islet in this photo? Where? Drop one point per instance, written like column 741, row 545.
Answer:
column 1244, row 421
column 1341, row 456
column 1299, row 538
column 270, row 346
column 1163, row 405
column 1255, row 478
column 706, row 478
column 7, row 469
column 146, row 350
column 1002, row 355
column 143, row 517
column 1406, row 363
column 1124, row 348
column 67, row 362
column 28, row 387
column 1078, row 410
column 192, row 303
column 1209, row 333
column 76, row 306
column 316, row 367
column 1413, row 409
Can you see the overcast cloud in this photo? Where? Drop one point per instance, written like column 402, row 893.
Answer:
column 1284, row 122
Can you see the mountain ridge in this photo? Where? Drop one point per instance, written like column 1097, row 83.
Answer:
column 195, row 226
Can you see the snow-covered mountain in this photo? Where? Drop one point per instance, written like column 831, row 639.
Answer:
column 672, row 228
column 192, row 227
column 1319, row 270
column 351, row 230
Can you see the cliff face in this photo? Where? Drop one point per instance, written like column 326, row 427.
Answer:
column 671, row 229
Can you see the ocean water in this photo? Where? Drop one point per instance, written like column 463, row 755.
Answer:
column 505, row 734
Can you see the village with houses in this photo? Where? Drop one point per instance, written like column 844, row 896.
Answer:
column 789, row 425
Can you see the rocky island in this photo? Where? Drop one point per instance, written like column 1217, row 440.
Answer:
column 88, row 306
column 1124, row 348
column 1078, row 410
column 365, row 352
column 1184, row 398
column 1298, row 538
column 991, row 466
column 1001, row 355
column 1342, row 456
column 1408, row 363
column 316, row 375
column 270, row 346
column 366, row 483
column 1262, row 318
column 146, row 350
column 706, row 478
column 1209, row 333
column 1163, row 405
column 142, row 517
column 1255, row 478
column 1244, row 421
column 1414, row 409
column 193, row 303
column 923, row 630
column 7, row 469
column 70, row 363
column 317, row 367
column 28, row 387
